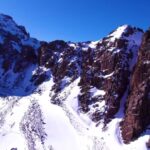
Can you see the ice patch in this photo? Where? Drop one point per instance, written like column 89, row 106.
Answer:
column 108, row 75
column 96, row 92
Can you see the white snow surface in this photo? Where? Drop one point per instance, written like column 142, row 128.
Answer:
column 108, row 75
column 135, row 38
column 93, row 44
column 60, row 134
column 48, row 126
column 118, row 33
column 95, row 92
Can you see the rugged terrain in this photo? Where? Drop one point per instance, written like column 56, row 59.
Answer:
column 74, row 96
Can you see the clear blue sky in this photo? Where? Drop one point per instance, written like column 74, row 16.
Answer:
column 76, row 20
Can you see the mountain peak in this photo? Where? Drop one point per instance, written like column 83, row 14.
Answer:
column 9, row 26
column 89, row 83
column 124, row 31
column 2, row 16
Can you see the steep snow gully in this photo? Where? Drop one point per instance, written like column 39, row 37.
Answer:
column 73, row 96
column 43, row 126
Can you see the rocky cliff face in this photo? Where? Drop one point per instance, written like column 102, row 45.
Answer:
column 104, row 68
column 137, row 115
column 101, row 82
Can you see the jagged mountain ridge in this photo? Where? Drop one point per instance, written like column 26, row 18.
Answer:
column 89, row 80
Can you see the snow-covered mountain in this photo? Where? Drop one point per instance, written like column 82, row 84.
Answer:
column 74, row 96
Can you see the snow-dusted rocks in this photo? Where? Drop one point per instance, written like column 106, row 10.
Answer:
column 71, row 96
column 137, row 116
column 8, row 26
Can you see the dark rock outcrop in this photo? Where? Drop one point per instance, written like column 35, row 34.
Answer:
column 137, row 115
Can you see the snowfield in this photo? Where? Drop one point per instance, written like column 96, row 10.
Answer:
column 33, row 123
column 57, row 129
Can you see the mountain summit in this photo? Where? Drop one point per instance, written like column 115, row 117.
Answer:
column 74, row 96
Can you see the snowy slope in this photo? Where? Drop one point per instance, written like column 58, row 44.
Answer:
column 33, row 123
column 54, row 131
